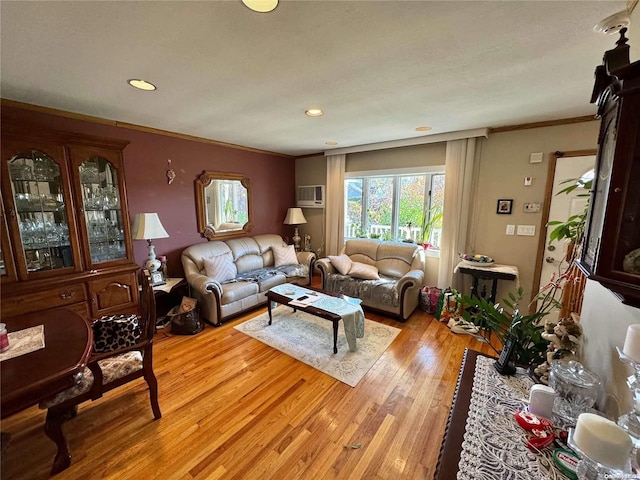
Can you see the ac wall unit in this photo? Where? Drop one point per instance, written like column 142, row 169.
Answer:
column 310, row 196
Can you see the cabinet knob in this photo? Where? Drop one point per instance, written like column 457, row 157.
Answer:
column 617, row 190
column 66, row 294
column 93, row 272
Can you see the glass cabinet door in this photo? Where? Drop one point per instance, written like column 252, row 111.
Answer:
column 102, row 210
column 41, row 213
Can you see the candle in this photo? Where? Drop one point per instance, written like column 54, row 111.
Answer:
column 632, row 343
column 602, row 440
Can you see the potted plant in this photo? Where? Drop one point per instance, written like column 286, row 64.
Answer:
column 524, row 331
column 493, row 320
column 430, row 219
column 572, row 229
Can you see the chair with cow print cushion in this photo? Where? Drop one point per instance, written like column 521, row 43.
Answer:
column 122, row 352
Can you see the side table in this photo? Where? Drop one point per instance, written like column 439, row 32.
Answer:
column 493, row 273
column 168, row 296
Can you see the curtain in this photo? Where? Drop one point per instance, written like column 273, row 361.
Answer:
column 459, row 190
column 334, row 218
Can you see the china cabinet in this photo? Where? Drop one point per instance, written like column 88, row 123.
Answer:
column 611, row 249
column 65, row 225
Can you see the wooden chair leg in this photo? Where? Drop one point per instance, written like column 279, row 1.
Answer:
column 152, row 382
column 53, row 428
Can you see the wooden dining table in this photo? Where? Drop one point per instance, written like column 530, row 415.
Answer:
column 27, row 379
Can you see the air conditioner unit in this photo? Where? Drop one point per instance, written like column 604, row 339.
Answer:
column 310, row 196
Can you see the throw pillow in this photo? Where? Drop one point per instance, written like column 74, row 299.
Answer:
column 362, row 270
column 284, row 255
column 220, row 268
column 112, row 332
column 342, row 263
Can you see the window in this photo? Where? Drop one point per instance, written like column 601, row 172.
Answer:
column 395, row 207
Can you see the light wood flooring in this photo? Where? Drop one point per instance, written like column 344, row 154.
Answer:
column 234, row 408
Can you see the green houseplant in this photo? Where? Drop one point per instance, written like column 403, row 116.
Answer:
column 572, row 229
column 431, row 219
column 498, row 323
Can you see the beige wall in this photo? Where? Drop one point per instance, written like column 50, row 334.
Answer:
column 504, row 163
column 312, row 171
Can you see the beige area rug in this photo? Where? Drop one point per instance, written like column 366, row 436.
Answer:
column 310, row 339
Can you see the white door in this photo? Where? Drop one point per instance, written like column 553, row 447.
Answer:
column 561, row 208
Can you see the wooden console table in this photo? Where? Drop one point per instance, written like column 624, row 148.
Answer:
column 451, row 447
column 482, row 438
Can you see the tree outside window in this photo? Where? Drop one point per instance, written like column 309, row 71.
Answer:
column 395, row 207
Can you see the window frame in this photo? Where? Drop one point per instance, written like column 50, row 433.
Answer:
column 396, row 175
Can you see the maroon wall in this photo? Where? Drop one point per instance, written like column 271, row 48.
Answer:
column 145, row 160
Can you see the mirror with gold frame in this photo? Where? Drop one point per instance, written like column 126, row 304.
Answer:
column 223, row 204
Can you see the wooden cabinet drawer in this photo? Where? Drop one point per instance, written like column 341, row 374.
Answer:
column 44, row 299
column 114, row 294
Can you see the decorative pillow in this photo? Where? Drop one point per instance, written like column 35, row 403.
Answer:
column 342, row 263
column 220, row 268
column 362, row 270
column 112, row 332
column 284, row 255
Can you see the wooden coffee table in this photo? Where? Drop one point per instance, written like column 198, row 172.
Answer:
column 332, row 317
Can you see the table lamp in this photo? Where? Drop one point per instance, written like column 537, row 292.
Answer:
column 147, row 226
column 295, row 217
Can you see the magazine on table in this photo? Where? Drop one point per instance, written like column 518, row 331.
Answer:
column 305, row 300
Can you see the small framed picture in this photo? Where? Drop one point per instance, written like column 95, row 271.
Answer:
column 504, row 206
column 157, row 278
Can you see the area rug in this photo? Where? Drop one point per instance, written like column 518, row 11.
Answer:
column 310, row 340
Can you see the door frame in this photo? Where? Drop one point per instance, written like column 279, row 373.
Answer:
column 542, row 240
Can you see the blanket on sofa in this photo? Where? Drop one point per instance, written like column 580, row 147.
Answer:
column 262, row 274
column 382, row 290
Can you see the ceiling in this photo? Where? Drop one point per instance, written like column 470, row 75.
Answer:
column 378, row 69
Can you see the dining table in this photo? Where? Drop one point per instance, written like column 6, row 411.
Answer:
column 31, row 377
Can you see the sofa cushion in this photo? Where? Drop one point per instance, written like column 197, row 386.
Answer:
column 362, row 270
column 220, row 268
column 232, row 292
column 342, row 263
column 246, row 254
column 284, row 255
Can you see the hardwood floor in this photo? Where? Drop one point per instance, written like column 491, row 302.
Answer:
column 236, row 408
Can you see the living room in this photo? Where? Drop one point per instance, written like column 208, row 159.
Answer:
column 504, row 155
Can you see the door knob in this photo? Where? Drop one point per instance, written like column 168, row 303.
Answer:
column 549, row 259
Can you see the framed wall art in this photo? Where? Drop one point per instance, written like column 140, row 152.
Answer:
column 504, row 206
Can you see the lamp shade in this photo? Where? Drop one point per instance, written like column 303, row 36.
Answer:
column 294, row 217
column 147, row 226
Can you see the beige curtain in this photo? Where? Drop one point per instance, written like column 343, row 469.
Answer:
column 334, row 204
column 459, row 190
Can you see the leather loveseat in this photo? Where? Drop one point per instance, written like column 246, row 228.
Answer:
column 254, row 272
column 399, row 267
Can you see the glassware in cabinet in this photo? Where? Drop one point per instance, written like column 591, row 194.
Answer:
column 103, row 217
column 40, row 211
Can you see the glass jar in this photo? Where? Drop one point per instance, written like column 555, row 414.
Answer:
column 576, row 388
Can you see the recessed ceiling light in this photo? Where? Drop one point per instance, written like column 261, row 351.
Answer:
column 314, row 112
column 331, row 143
column 261, row 6
column 423, row 129
column 141, row 84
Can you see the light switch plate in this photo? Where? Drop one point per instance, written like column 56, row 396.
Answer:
column 535, row 158
column 527, row 230
column 511, row 229
column 531, row 207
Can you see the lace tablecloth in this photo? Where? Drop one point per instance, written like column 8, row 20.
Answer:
column 494, row 444
column 24, row 341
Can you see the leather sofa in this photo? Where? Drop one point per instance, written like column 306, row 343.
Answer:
column 399, row 265
column 256, row 273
